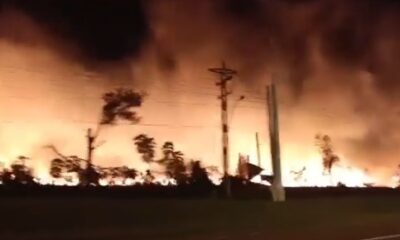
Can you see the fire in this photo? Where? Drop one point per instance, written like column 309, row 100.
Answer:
column 43, row 178
column 304, row 166
column 311, row 174
column 74, row 181
column 64, row 116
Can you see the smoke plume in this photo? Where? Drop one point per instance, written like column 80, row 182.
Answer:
column 335, row 64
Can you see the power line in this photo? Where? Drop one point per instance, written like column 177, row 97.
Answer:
column 90, row 75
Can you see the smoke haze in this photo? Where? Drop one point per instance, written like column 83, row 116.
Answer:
column 335, row 64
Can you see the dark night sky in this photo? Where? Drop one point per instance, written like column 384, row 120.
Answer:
column 110, row 30
column 106, row 30
column 103, row 29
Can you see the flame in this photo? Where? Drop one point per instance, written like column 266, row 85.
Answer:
column 311, row 175
column 63, row 119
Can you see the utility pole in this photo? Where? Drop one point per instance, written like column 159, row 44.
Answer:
column 90, row 147
column 225, row 75
column 278, row 192
column 258, row 150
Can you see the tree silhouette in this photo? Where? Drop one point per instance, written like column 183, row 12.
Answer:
column 57, row 168
column 65, row 164
column 124, row 173
column 198, row 174
column 329, row 158
column 62, row 166
column 118, row 105
column 148, row 177
column 145, row 146
column 127, row 173
column 18, row 173
column 174, row 163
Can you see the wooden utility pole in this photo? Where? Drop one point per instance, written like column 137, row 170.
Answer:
column 278, row 192
column 258, row 150
column 225, row 75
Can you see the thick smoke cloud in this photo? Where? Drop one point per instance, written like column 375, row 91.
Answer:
column 335, row 63
column 103, row 30
column 336, row 58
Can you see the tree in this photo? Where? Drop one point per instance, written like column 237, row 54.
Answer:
column 174, row 163
column 199, row 180
column 62, row 166
column 148, row 177
column 18, row 173
column 57, row 168
column 198, row 174
column 124, row 173
column 172, row 160
column 145, row 146
column 127, row 173
column 118, row 105
column 329, row 158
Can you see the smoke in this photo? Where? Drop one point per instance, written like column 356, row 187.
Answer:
column 335, row 63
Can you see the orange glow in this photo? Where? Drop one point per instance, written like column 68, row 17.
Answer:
column 312, row 176
column 48, row 99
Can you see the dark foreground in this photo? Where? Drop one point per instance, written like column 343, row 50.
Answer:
column 57, row 218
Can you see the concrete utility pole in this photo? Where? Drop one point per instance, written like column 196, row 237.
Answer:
column 278, row 192
column 258, row 150
column 225, row 75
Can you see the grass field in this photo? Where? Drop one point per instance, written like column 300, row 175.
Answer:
column 100, row 219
